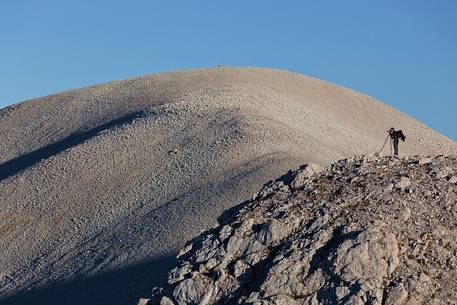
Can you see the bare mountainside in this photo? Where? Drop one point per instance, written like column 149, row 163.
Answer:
column 100, row 186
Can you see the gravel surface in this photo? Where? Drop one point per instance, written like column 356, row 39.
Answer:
column 100, row 186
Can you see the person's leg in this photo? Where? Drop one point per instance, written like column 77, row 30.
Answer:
column 396, row 147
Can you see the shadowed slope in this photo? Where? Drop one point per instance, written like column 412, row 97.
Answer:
column 103, row 289
column 21, row 163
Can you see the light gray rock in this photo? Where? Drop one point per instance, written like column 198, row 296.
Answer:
column 303, row 174
column 403, row 184
column 367, row 258
column 143, row 302
column 425, row 160
column 192, row 289
column 404, row 214
column 166, row 301
column 397, row 295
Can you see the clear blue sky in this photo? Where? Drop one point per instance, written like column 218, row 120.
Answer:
column 402, row 52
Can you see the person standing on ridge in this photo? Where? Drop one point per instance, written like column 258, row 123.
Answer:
column 395, row 135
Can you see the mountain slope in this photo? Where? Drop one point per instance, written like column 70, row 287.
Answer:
column 100, row 182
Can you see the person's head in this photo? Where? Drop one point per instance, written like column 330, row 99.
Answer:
column 391, row 130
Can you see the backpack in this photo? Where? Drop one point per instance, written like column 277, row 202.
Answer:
column 401, row 135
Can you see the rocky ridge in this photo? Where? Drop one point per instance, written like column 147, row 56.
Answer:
column 366, row 230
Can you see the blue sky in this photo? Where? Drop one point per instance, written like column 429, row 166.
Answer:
column 402, row 52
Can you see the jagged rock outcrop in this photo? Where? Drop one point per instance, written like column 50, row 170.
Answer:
column 367, row 230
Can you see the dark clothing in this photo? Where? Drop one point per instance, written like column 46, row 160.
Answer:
column 395, row 135
column 395, row 143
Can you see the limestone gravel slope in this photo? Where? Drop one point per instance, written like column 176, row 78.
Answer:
column 102, row 185
column 364, row 231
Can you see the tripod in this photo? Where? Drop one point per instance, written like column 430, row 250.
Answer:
column 391, row 145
